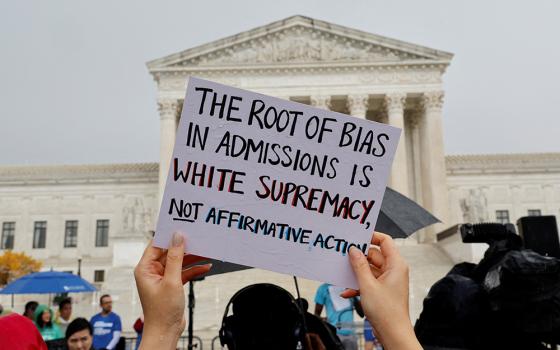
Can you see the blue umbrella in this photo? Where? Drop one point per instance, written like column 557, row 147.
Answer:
column 48, row 282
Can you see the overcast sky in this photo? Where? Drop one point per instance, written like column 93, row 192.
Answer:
column 74, row 87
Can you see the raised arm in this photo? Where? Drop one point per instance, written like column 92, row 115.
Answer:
column 383, row 280
column 160, row 278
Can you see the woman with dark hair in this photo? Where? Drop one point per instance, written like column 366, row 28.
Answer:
column 79, row 335
column 43, row 318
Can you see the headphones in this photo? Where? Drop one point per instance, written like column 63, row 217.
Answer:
column 228, row 329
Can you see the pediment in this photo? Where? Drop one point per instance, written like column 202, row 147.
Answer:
column 299, row 40
column 298, row 44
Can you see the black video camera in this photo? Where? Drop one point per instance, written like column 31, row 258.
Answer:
column 509, row 300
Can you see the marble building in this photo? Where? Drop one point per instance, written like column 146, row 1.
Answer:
column 99, row 216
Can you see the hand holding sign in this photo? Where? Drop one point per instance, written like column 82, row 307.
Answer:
column 274, row 184
column 383, row 279
column 160, row 275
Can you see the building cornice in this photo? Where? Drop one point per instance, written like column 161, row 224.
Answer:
column 78, row 174
column 516, row 163
column 304, row 67
column 471, row 164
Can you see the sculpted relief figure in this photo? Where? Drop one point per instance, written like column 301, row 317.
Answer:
column 132, row 215
column 474, row 207
column 127, row 219
column 297, row 45
column 263, row 52
column 137, row 218
column 246, row 55
column 138, row 211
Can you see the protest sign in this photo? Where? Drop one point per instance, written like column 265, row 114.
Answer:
column 274, row 184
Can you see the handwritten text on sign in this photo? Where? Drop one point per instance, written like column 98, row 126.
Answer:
column 274, row 184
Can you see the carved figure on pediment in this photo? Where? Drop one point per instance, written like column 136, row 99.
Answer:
column 325, row 50
column 351, row 52
column 474, row 207
column 298, row 45
column 314, row 49
column 281, row 50
column 246, row 55
column 264, row 52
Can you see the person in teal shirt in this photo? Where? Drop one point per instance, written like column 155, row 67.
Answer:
column 340, row 313
column 43, row 318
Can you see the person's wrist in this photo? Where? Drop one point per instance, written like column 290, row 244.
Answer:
column 400, row 335
column 172, row 332
column 165, row 337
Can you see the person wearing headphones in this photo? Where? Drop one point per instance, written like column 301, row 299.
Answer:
column 382, row 276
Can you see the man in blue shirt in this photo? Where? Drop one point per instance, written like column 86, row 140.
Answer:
column 339, row 313
column 106, row 325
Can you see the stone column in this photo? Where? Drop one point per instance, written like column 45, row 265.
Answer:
column 168, row 116
column 434, row 184
column 416, row 191
column 394, row 106
column 321, row 101
column 357, row 105
column 415, row 186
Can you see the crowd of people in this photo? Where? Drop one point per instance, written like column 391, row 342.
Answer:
column 382, row 276
column 39, row 324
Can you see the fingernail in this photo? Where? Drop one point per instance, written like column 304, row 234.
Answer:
column 354, row 253
column 177, row 239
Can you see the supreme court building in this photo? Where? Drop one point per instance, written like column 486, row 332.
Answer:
column 102, row 215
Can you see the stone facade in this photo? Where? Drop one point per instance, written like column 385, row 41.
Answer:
column 499, row 188
column 482, row 185
column 308, row 61
column 122, row 196
column 126, row 195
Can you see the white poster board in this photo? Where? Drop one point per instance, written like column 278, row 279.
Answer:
column 274, row 184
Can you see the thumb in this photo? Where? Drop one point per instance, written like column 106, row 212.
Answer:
column 174, row 262
column 361, row 268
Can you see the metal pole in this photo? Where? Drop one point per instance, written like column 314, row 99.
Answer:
column 191, row 314
column 301, row 310
column 80, row 267
column 297, row 287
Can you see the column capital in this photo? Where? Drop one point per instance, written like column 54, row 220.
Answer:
column 415, row 118
column 357, row 104
column 321, row 101
column 394, row 101
column 168, row 108
column 432, row 100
